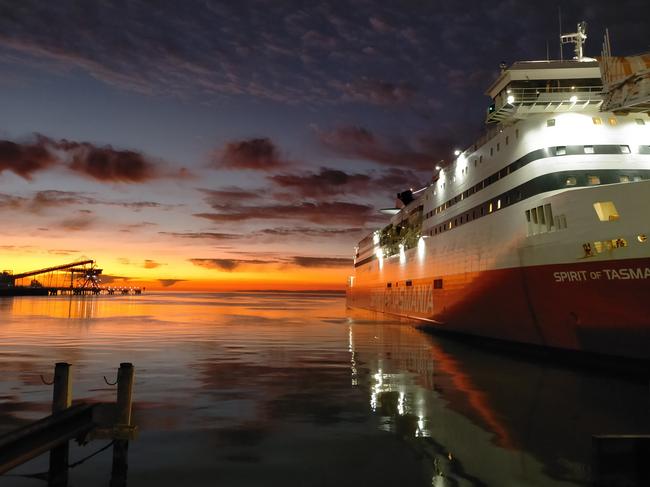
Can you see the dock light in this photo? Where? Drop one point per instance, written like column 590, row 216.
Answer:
column 573, row 99
column 457, row 152
column 510, row 99
column 438, row 168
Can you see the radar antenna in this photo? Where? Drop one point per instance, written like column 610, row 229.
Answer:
column 577, row 38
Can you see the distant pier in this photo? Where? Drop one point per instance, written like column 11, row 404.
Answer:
column 75, row 279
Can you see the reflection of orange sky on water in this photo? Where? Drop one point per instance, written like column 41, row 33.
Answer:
column 167, row 270
column 477, row 399
column 147, row 307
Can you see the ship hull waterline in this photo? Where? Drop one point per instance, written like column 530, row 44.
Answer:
column 600, row 307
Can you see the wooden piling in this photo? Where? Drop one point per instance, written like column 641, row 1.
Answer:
column 125, row 377
column 61, row 400
column 62, row 395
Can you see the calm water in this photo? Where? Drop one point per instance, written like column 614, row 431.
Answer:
column 288, row 389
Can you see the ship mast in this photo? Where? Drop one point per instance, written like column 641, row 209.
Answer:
column 577, row 38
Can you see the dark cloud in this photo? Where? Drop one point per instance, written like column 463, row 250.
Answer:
column 310, row 232
column 304, row 261
column 136, row 226
column 257, row 154
column 25, row 159
column 100, row 163
column 203, row 235
column 360, row 143
column 10, row 201
column 326, row 182
column 82, row 221
column 170, row 282
column 151, row 264
column 331, row 182
column 108, row 164
column 110, row 279
column 228, row 264
column 63, row 252
column 53, row 198
column 378, row 92
column 229, row 195
column 343, row 213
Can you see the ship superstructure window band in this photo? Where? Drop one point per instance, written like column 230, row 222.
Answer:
column 569, row 150
column 538, row 185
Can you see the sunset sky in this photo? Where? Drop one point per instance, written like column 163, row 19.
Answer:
column 249, row 144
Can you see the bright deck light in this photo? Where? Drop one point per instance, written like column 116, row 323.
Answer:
column 457, row 152
column 511, row 99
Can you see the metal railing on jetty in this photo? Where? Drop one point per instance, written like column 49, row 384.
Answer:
column 82, row 422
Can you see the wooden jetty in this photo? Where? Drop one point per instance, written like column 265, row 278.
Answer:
column 82, row 422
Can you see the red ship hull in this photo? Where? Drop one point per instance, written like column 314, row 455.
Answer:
column 595, row 306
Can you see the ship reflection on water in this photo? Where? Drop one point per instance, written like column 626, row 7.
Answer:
column 481, row 418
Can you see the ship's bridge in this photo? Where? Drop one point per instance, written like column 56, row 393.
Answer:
column 545, row 87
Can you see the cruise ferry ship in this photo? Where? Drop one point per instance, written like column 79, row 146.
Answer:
column 539, row 232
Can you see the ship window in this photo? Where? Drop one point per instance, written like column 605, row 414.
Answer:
column 560, row 151
column 624, row 179
column 625, row 149
column 409, row 283
column 450, row 225
column 389, row 284
column 593, row 180
column 589, row 149
column 642, row 238
column 490, row 208
column 528, row 216
column 480, row 159
column 619, row 242
column 475, row 162
column 606, row 211
column 570, row 181
column 498, row 146
column 598, row 246
column 550, row 122
column 549, row 216
column 516, row 133
column 639, row 121
column 437, row 284
column 612, row 121
column 491, row 151
column 597, row 121
column 507, row 139
column 540, row 215
column 498, row 204
column 637, row 178
column 533, row 212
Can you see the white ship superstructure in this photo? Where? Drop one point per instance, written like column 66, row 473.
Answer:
column 537, row 233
